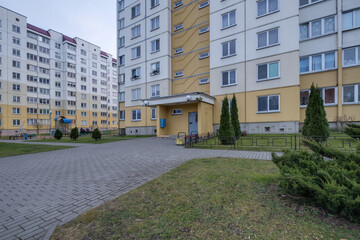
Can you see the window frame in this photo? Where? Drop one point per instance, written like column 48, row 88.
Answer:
column 356, row 94
column 137, row 113
column 268, row 71
column 155, row 90
column 267, row 8
column 268, row 105
column 228, row 48
column 323, row 62
column 135, row 11
column 155, row 43
column 310, row 27
column 228, row 25
column 268, row 38
column 136, row 94
column 357, row 56
column 229, row 78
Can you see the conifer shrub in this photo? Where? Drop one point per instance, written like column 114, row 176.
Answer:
column 226, row 129
column 353, row 130
column 316, row 126
column 235, row 117
column 58, row 134
column 328, row 177
column 96, row 134
column 74, row 134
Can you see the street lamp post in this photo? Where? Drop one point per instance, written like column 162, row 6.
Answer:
column 50, row 123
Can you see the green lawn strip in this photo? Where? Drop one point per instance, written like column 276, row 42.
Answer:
column 275, row 142
column 208, row 199
column 12, row 149
column 89, row 139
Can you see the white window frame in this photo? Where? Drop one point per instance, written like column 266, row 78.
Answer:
column 228, row 84
column 154, row 3
column 310, row 2
column 136, row 94
column 322, row 92
column 177, row 111
column 204, row 55
column 203, row 30
column 178, row 50
column 137, row 113
column 268, row 97
column 267, row 8
column 203, row 4
column 178, row 4
column 322, row 63
column 135, row 11
column 155, row 23
column 179, row 74
column 136, row 52
column 353, row 22
column 203, row 81
column 178, row 27
column 155, row 70
column 153, row 114
column 155, row 45
column 122, row 115
column 309, row 26
column 155, row 90
column 136, row 31
column 357, row 56
column 268, row 38
column 356, row 94
column 228, row 43
column 268, row 71
column 228, row 23
column 137, row 72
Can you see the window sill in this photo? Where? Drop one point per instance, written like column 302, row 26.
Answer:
column 269, row 46
column 320, row 36
column 325, row 70
column 136, row 120
column 155, row 51
column 230, row 85
column 154, row 6
column 135, row 58
column 135, row 37
column 353, row 65
column 134, row 79
column 349, row 29
column 268, row 112
column 351, row 103
column 268, row 79
column 267, row 14
column 153, row 119
column 154, row 74
column 154, row 29
column 330, row 105
column 224, row 28
column 121, row 119
column 132, row 17
column 309, row 4
column 228, row 56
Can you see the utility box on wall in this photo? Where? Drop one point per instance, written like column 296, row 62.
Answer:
column 162, row 123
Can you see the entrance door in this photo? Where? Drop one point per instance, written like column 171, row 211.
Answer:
column 193, row 123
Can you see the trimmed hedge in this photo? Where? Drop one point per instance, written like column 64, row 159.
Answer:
column 327, row 176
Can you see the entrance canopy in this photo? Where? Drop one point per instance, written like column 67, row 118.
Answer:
column 184, row 98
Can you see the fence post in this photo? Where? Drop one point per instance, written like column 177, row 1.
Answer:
column 295, row 142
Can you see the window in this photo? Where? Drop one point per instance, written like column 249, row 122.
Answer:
column 83, row 105
column 15, row 40
column 268, row 71
column 47, row 50
column 58, row 45
column 83, row 123
column 329, row 96
column 44, row 80
column 83, row 52
column 203, row 4
column 228, row 19
column 153, row 113
column 136, row 94
column 94, row 106
column 204, row 81
column 229, row 78
column 57, row 94
column 135, row 52
column 32, row 100
column 122, row 78
column 121, row 23
column 351, row 19
column 204, row 30
column 178, row 4
column 72, row 112
column 94, row 98
column 16, row 87
column 268, row 38
column 317, row 28
column 351, row 94
column 83, row 87
column 122, row 97
column 16, row 122
column 16, row 111
column 135, row 31
column 58, row 65
column 58, row 74
column 229, row 48
column 136, row 115
column 31, row 46
column 178, row 27
column 16, row 75
column 15, row 28
column 57, row 113
column 71, row 47
column 16, row 64
column 16, row 52
column 155, row 90
column 155, row 68
column 154, row 3
column 16, row 99
column 135, row 11
column 351, row 56
column 155, row 45
column 121, row 5
column 318, row 62
column 57, row 103
column 268, row 104
column 308, row 2
column 179, row 73
column 135, row 73
column 267, row 6
column 122, row 115
column 121, row 42
column 203, row 55
column 155, row 23
column 177, row 111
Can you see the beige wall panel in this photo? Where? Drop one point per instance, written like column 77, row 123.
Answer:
column 321, row 79
column 351, row 75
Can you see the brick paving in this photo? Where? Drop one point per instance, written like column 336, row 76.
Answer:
column 42, row 190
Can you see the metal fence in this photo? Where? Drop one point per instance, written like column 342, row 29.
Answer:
column 269, row 142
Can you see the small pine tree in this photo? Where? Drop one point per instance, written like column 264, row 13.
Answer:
column 353, row 130
column 235, row 117
column 316, row 125
column 226, row 129
column 74, row 134
column 96, row 134
column 58, row 134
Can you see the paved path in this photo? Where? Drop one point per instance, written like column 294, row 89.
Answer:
column 39, row 191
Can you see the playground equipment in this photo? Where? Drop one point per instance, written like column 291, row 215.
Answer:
column 63, row 124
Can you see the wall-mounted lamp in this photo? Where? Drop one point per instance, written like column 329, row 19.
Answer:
column 188, row 98
column 146, row 103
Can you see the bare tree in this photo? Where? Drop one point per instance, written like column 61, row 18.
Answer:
column 342, row 121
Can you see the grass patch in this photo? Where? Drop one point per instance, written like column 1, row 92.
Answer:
column 208, row 199
column 89, row 139
column 276, row 142
column 12, row 149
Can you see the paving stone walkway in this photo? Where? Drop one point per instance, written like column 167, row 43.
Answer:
column 42, row 190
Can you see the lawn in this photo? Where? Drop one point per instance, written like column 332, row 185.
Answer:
column 276, row 142
column 209, row 199
column 88, row 139
column 12, row 149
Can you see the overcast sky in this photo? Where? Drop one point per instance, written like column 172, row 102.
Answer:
column 91, row 20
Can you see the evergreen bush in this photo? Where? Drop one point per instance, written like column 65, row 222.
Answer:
column 226, row 129
column 74, row 134
column 96, row 134
column 58, row 134
column 235, row 117
column 316, row 125
column 327, row 176
column 353, row 130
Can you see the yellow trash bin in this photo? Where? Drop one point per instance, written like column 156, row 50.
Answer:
column 180, row 140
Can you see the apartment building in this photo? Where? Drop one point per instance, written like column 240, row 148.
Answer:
column 179, row 59
column 45, row 74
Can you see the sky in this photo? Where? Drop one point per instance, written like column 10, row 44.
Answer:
column 91, row 20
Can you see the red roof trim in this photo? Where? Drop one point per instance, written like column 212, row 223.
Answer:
column 114, row 60
column 69, row 39
column 104, row 54
column 38, row 30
